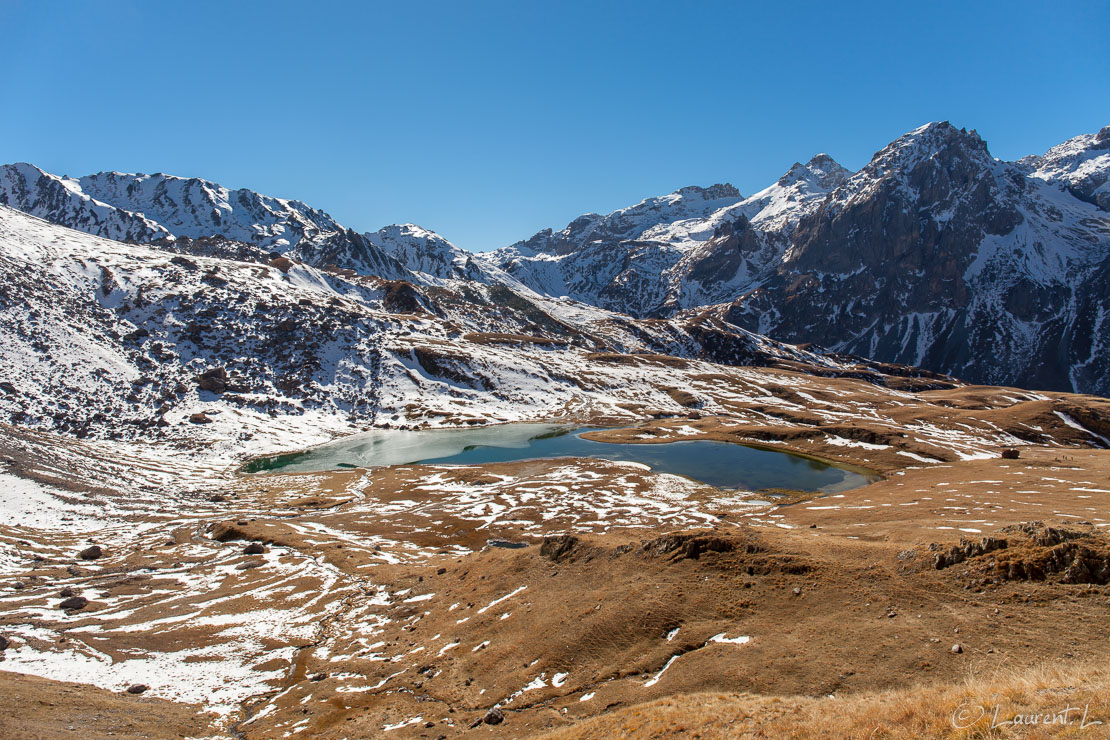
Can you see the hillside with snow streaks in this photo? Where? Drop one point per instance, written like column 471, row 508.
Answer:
column 106, row 339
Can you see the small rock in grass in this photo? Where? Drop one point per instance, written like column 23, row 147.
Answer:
column 957, row 648
column 66, row 592
column 494, row 717
column 137, row 688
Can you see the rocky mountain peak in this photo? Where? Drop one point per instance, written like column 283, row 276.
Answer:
column 713, row 192
column 61, row 200
column 1081, row 165
column 938, row 140
column 822, row 171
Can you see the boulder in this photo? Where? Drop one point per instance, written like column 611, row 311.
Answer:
column 214, row 380
column 91, row 553
column 74, row 603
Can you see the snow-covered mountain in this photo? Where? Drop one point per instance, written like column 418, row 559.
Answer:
column 145, row 208
column 935, row 254
column 938, row 255
column 1081, row 164
column 104, row 338
column 429, row 254
column 693, row 247
column 60, row 200
column 614, row 261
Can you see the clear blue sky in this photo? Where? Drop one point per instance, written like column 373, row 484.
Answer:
column 487, row 121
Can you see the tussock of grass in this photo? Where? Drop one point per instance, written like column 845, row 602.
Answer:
column 1047, row 700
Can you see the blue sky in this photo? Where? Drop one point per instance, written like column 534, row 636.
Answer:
column 487, row 121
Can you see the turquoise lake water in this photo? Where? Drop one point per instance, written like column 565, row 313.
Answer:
column 720, row 464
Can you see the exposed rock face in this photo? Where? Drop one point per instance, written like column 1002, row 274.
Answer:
column 214, row 380
column 556, row 547
column 939, row 256
column 162, row 209
column 1037, row 553
column 934, row 255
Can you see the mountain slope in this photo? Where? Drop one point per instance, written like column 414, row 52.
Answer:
column 435, row 258
column 60, row 200
column 938, row 255
column 935, row 254
column 109, row 339
column 146, row 208
column 694, row 247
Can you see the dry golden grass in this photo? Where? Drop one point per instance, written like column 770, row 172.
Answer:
column 1049, row 700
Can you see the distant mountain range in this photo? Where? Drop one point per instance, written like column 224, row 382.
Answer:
column 935, row 254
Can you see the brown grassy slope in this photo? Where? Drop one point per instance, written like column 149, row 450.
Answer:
column 1046, row 700
column 32, row 708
